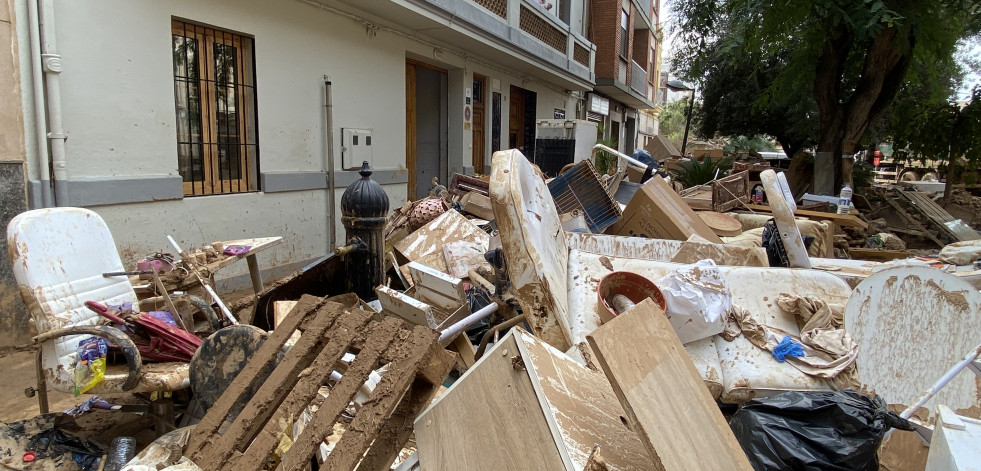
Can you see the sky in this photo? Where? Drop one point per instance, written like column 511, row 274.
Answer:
column 969, row 54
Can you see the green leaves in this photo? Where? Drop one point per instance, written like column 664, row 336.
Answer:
column 694, row 173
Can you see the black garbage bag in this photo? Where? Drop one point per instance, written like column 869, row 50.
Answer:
column 833, row 430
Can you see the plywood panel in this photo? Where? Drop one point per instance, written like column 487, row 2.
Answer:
column 663, row 394
column 585, row 409
column 490, row 420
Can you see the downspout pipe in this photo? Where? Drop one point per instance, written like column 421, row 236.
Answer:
column 40, row 120
column 331, row 205
column 52, row 66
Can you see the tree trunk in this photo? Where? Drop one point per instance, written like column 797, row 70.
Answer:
column 843, row 123
column 827, row 84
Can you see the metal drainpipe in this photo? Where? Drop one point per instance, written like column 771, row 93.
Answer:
column 52, row 65
column 40, row 125
column 331, row 204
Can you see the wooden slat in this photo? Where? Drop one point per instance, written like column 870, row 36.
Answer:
column 398, row 428
column 379, row 345
column 662, row 393
column 839, row 219
column 342, row 334
column 405, row 306
column 348, row 329
column 911, row 221
column 272, row 392
column 267, row 353
column 436, row 288
column 366, row 424
column 929, row 207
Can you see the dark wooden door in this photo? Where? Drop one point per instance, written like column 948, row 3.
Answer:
column 478, row 123
column 516, row 119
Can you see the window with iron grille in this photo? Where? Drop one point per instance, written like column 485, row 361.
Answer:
column 214, row 90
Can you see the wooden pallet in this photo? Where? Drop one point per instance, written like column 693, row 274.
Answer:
column 719, row 195
column 417, row 366
column 934, row 213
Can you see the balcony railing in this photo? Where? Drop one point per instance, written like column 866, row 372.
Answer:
column 531, row 18
column 638, row 78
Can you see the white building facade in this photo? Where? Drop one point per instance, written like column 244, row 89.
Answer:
column 207, row 120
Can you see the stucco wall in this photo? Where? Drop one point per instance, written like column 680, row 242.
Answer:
column 118, row 101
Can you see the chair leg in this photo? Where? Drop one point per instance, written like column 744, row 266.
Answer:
column 42, row 384
column 162, row 410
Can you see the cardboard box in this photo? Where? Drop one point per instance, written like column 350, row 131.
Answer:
column 657, row 212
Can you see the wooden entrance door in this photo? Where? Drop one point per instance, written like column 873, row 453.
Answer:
column 478, row 122
column 516, row 119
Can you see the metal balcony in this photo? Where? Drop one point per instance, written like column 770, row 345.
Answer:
column 520, row 34
column 638, row 78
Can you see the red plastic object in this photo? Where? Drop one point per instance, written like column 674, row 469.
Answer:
column 635, row 287
column 29, row 456
column 166, row 342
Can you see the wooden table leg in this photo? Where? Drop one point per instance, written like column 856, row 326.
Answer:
column 254, row 273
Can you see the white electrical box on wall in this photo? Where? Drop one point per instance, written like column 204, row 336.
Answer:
column 355, row 148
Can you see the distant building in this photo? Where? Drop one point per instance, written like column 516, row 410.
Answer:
column 628, row 77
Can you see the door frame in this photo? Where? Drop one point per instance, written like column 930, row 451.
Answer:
column 410, row 120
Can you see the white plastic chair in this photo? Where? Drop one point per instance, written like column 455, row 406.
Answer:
column 58, row 257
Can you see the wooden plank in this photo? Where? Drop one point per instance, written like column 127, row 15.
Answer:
column 280, row 310
column 405, row 306
column 477, row 204
column 450, row 226
column 273, row 390
column 461, row 344
column 848, row 220
column 910, row 220
column 509, row 425
column 586, row 410
column 377, row 337
column 398, row 427
column 929, row 207
column 370, row 418
column 877, row 254
column 662, row 393
column 437, row 288
column 267, row 352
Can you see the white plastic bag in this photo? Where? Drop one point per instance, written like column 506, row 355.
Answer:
column 961, row 253
column 697, row 299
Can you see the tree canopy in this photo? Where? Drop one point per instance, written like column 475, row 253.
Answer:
column 734, row 101
column 851, row 57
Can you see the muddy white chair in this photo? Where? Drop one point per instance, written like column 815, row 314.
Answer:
column 59, row 256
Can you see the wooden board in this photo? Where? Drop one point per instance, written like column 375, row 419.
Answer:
column 657, row 212
column 877, row 254
column 663, row 394
column 507, row 431
column 406, row 307
column 848, row 220
column 477, row 204
column 587, row 410
column 722, row 224
column 436, row 288
column 450, row 226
